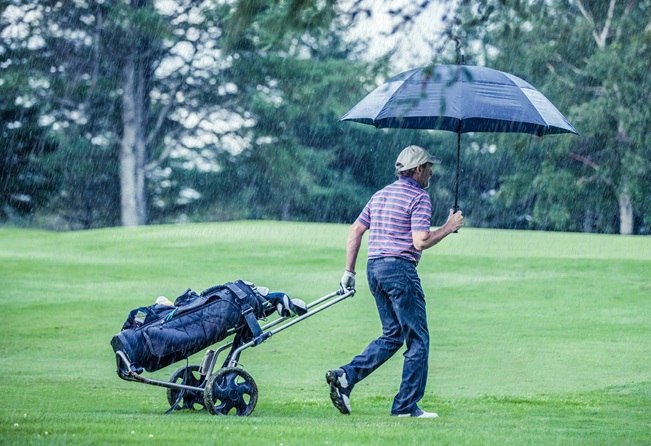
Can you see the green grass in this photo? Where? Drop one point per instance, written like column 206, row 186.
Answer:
column 536, row 338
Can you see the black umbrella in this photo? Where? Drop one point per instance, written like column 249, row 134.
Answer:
column 461, row 99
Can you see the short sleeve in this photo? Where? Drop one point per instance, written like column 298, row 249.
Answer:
column 421, row 213
column 365, row 217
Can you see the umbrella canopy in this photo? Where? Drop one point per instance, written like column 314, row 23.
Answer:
column 461, row 99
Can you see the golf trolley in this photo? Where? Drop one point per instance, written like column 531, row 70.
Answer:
column 195, row 386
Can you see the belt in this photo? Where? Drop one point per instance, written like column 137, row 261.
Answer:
column 392, row 259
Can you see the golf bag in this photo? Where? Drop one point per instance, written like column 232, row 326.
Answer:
column 159, row 335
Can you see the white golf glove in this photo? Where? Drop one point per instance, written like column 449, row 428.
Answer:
column 347, row 281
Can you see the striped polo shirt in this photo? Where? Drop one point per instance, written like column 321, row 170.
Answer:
column 392, row 214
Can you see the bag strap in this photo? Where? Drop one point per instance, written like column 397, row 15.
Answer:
column 244, row 294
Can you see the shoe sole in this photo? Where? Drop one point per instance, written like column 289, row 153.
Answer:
column 335, row 395
column 430, row 416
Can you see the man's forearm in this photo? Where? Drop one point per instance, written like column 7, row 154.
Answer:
column 353, row 244
column 352, row 250
column 427, row 239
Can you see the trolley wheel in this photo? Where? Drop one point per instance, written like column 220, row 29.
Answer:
column 189, row 376
column 231, row 388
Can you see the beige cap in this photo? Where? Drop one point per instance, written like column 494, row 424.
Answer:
column 414, row 156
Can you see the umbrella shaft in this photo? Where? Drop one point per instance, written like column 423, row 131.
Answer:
column 456, row 193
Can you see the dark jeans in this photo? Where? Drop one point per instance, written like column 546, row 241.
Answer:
column 400, row 301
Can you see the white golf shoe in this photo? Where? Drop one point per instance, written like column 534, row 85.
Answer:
column 419, row 413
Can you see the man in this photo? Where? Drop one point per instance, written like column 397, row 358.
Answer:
column 398, row 217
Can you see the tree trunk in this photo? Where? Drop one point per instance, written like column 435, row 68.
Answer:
column 128, row 192
column 625, row 213
column 285, row 212
column 589, row 218
column 142, row 108
column 133, row 187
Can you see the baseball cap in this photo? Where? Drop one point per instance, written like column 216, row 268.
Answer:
column 414, row 156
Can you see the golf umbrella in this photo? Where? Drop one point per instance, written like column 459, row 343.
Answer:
column 461, row 99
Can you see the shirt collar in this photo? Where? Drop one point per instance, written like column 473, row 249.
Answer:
column 410, row 181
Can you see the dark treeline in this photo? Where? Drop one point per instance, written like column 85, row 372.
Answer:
column 145, row 112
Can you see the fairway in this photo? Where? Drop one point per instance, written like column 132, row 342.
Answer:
column 536, row 338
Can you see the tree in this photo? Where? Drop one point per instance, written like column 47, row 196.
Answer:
column 589, row 58
column 125, row 77
column 135, row 88
column 26, row 181
column 145, row 111
column 615, row 115
column 293, row 93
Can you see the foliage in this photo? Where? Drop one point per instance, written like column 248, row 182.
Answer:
column 26, row 181
column 589, row 60
column 89, row 197
column 235, row 113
